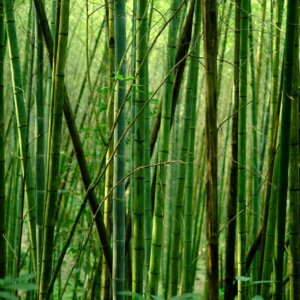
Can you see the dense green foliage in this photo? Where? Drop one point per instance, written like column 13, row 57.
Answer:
column 149, row 149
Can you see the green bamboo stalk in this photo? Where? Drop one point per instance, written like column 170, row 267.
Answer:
column 294, row 209
column 232, row 202
column 223, row 171
column 198, row 203
column 139, row 148
column 288, row 85
column 177, row 214
column 198, row 226
column 264, row 123
column 107, row 211
column 52, row 30
column 118, row 272
column 28, row 84
column 13, row 223
column 40, row 142
column 132, row 138
column 275, row 62
column 270, row 236
column 191, row 93
column 18, row 234
column 3, row 222
column 168, row 91
column 169, row 207
column 210, row 37
column 272, row 141
column 242, row 146
column 254, row 212
column 163, row 150
column 147, row 171
column 147, row 195
column 54, row 148
column 22, row 122
column 183, row 46
column 185, row 18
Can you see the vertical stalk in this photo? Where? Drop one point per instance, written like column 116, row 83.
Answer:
column 177, row 214
column 139, row 149
column 232, row 202
column 287, row 98
column 253, row 213
column 294, row 233
column 163, row 150
column 107, row 211
column 40, row 144
column 242, row 146
column 118, row 271
column 54, row 148
column 147, row 193
column 22, row 122
column 210, row 30
column 2, row 149
column 191, row 93
column 272, row 140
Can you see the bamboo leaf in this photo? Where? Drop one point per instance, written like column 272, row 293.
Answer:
column 8, row 295
column 242, row 278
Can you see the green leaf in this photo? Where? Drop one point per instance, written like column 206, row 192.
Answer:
column 257, row 297
column 119, row 76
column 130, row 78
column 242, row 278
column 8, row 295
column 25, row 277
column 19, row 283
column 24, row 286
column 156, row 297
column 122, row 78
column 263, row 281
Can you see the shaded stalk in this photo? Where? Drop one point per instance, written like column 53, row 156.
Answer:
column 3, row 220
column 40, row 142
column 107, row 210
column 232, row 202
column 285, row 126
column 294, row 209
column 163, row 150
column 210, row 36
column 54, row 143
column 140, row 146
column 242, row 146
column 118, row 237
column 22, row 122
column 191, row 93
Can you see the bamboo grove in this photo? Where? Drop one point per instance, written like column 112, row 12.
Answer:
column 149, row 149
